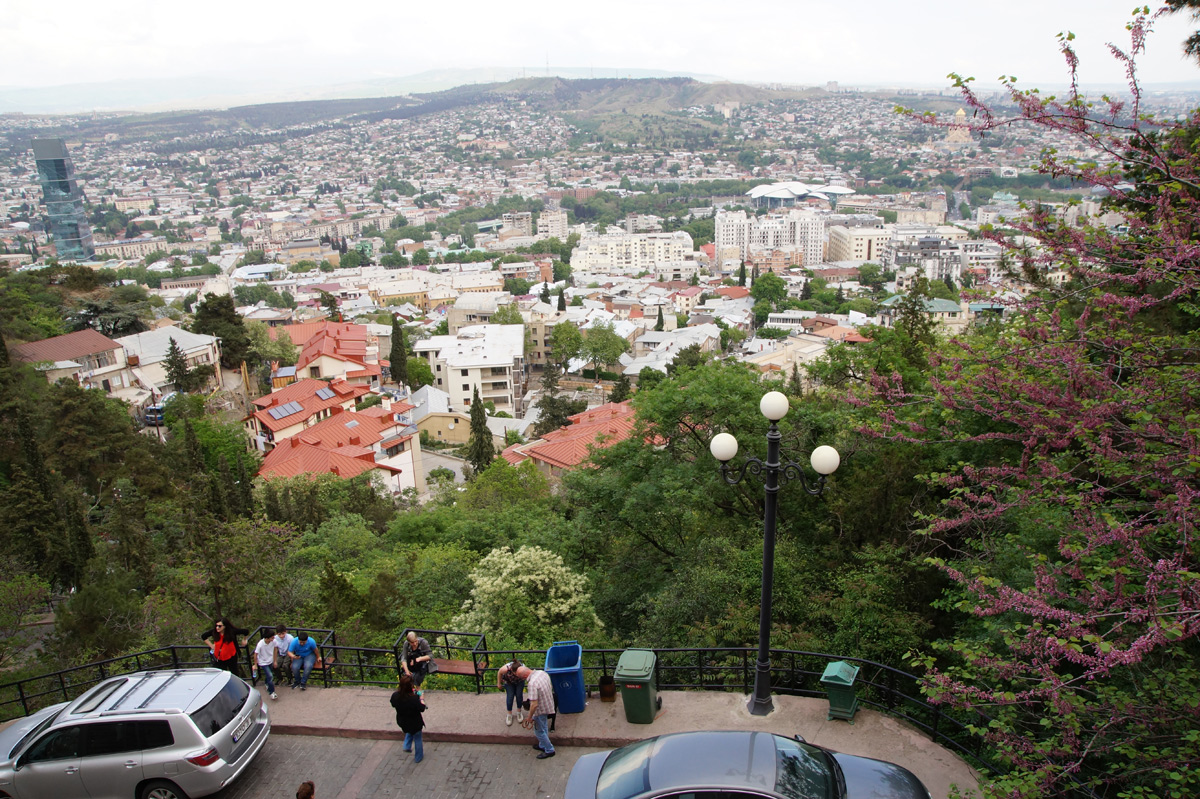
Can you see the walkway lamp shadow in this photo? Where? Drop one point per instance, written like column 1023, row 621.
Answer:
column 824, row 461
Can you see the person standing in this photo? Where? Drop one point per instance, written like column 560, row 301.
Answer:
column 283, row 643
column 303, row 652
column 511, row 677
column 541, row 705
column 266, row 660
column 415, row 657
column 222, row 642
column 409, row 707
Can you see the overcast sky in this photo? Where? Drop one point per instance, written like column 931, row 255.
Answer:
column 788, row 41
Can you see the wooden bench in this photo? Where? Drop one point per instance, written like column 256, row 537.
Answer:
column 462, row 668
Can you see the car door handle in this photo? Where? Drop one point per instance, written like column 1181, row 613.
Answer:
column 72, row 770
column 131, row 764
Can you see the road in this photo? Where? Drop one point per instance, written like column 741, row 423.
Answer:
column 350, row 768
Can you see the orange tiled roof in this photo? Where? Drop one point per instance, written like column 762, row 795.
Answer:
column 308, row 459
column 570, row 446
column 304, row 392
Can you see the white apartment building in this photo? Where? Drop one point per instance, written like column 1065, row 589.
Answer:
column 517, row 223
column 552, row 224
column 631, row 253
column 490, row 358
column 857, row 243
column 795, row 226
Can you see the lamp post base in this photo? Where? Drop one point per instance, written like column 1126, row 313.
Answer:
column 760, row 706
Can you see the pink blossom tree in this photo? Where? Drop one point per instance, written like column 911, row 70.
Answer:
column 1071, row 533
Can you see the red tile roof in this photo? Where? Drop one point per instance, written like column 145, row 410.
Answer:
column 309, row 459
column 340, row 340
column 734, row 292
column 305, row 393
column 570, row 446
column 65, row 348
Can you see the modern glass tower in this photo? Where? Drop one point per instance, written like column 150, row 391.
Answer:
column 64, row 201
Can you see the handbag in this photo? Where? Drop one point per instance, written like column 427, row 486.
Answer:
column 431, row 666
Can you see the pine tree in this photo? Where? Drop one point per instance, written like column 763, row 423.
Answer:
column 399, row 355
column 176, row 367
column 621, row 390
column 658, row 326
column 562, row 300
column 545, row 294
column 481, row 451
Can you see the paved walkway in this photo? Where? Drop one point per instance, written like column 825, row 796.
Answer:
column 364, row 713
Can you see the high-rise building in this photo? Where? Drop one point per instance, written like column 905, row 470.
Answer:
column 68, row 226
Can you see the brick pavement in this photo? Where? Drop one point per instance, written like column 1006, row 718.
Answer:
column 346, row 768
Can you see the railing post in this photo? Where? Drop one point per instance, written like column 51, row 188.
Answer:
column 174, row 657
column 21, row 693
column 62, row 681
column 362, row 677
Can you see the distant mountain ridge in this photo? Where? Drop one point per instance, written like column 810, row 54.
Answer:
column 603, row 99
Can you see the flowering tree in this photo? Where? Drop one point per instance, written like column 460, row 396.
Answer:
column 1071, row 535
column 528, row 597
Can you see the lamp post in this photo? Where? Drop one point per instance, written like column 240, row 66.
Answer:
column 824, row 460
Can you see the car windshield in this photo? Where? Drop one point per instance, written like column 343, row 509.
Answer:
column 802, row 771
column 223, row 708
column 625, row 773
column 27, row 736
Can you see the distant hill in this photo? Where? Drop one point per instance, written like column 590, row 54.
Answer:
column 605, row 105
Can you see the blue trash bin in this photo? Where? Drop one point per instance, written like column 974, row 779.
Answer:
column 564, row 664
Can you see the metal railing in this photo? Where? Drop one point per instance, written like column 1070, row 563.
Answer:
column 794, row 673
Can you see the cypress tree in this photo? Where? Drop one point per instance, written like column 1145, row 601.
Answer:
column 481, row 451
column 399, row 355
column 658, row 326
column 562, row 300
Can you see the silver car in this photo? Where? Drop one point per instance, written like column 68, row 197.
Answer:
column 736, row 765
column 152, row 735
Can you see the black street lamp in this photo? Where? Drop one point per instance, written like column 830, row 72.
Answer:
column 825, row 460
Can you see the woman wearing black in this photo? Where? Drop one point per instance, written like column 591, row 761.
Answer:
column 222, row 639
column 409, row 707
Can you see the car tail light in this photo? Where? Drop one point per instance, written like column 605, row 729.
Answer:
column 205, row 758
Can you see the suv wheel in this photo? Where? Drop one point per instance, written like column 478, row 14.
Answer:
column 161, row 789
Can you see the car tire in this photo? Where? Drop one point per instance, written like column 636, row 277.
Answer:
column 161, row 789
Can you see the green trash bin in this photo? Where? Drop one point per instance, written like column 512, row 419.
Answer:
column 838, row 679
column 635, row 679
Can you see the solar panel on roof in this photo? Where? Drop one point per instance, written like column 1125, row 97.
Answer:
column 325, row 393
column 352, row 423
column 285, row 410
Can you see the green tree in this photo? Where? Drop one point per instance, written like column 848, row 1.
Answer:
column 602, row 346
column 330, row 304
column 217, row 316
column 658, row 326
column 566, row 342
column 481, row 449
column 622, row 390
column 178, row 373
column 508, row 314
column 419, row 373
column 399, row 354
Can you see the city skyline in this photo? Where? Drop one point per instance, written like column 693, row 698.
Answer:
column 269, row 50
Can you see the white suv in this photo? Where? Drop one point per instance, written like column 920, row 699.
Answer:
column 150, row 735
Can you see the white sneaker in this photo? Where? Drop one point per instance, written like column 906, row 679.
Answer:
column 508, row 720
column 521, row 715
column 274, row 695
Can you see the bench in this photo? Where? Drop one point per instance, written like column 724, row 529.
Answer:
column 463, row 668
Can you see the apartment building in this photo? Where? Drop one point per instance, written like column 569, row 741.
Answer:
column 516, row 223
column 798, row 227
column 132, row 248
column 490, row 358
column 857, row 243
column 147, row 354
column 631, row 254
column 552, row 224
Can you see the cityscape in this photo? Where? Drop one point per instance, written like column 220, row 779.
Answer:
column 487, row 363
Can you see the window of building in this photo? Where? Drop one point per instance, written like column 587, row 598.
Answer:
column 464, row 372
column 466, row 386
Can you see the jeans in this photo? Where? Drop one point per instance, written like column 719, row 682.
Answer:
column 268, row 673
column 540, row 729
column 512, row 691
column 307, row 662
column 412, row 740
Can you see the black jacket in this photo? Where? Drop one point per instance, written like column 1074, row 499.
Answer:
column 408, row 712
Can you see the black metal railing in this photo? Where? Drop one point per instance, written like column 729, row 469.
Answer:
column 795, row 673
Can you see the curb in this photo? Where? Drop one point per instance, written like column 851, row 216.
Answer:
column 445, row 737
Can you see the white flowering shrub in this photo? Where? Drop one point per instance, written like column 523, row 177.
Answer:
column 529, row 597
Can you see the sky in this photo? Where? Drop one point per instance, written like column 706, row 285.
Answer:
column 869, row 42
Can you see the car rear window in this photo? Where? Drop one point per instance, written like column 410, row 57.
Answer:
column 801, row 771
column 224, row 707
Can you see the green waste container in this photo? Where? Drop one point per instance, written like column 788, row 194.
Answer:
column 635, row 679
column 838, row 679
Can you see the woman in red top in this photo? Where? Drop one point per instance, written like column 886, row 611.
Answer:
column 222, row 639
